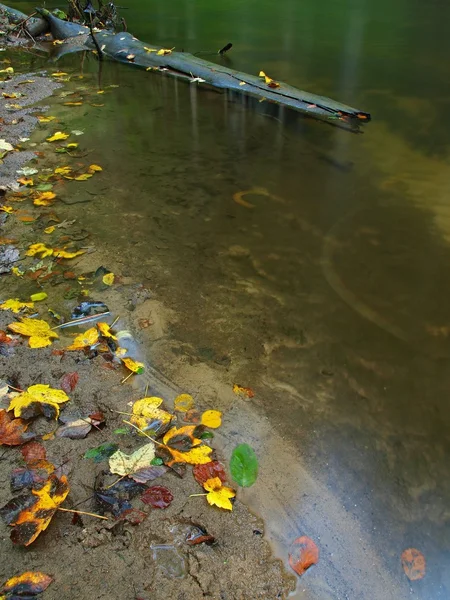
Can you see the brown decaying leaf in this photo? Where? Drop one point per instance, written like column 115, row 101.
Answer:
column 303, row 553
column 157, row 496
column 33, row 451
column 413, row 563
column 212, row 469
column 13, row 431
column 69, row 381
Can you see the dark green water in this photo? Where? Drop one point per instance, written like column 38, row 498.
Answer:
column 330, row 296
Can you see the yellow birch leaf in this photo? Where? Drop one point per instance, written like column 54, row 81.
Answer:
column 15, row 305
column 38, row 331
column 7, row 209
column 108, row 279
column 44, row 119
column 60, row 253
column 133, row 365
column 38, row 399
column 38, row 297
column 145, row 406
column 183, row 403
column 44, row 199
column 218, row 494
column 94, row 168
column 212, row 419
column 196, row 456
column 105, row 330
column 50, row 229
column 24, row 181
column 83, row 177
column 124, row 464
column 39, row 248
column 85, row 340
column 59, row 135
column 62, row 170
column 146, row 414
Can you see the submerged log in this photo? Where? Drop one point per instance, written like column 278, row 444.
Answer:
column 34, row 26
column 125, row 48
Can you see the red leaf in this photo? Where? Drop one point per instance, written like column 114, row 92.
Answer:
column 133, row 516
column 212, row 469
column 33, row 451
column 303, row 553
column 414, row 564
column 69, row 381
column 157, row 496
column 98, row 417
column 4, row 339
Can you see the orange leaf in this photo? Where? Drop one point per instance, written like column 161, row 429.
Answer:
column 245, row 391
column 12, row 431
column 28, row 583
column 303, row 553
column 413, row 563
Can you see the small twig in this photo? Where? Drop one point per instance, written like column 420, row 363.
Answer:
column 15, row 389
column 127, row 377
column 194, row 495
column 146, row 434
column 82, row 512
column 81, row 320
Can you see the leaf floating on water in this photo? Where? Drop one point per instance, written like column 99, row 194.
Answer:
column 59, row 135
column 183, row 403
column 15, row 305
column 270, row 82
column 108, row 279
column 38, row 331
column 85, row 340
column 29, row 583
column 244, row 465
column 45, row 119
column 39, row 249
column 244, row 391
column 38, row 399
column 29, row 515
column 44, row 199
column 60, row 253
column 157, row 496
column 59, row 74
column 125, row 465
column 13, row 431
column 38, row 297
column 414, row 564
column 219, row 495
column 303, row 554
column 212, row 419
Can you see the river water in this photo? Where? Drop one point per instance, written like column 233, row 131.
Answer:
column 329, row 293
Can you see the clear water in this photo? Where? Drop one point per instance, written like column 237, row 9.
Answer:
column 329, row 296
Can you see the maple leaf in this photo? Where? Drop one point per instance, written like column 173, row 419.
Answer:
column 59, row 135
column 38, row 331
column 29, row 515
column 39, row 248
column 218, row 494
column 212, row 419
column 15, row 305
column 13, row 431
column 85, row 340
column 125, row 465
column 38, row 399
column 27, row 584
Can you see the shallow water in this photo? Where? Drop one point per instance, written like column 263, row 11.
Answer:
column 329, row 296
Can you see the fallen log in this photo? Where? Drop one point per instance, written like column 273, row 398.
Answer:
column 125, row 48
column 34, row 25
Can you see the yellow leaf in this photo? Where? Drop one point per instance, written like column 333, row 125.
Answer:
column 164, row 51
column 39, row 248
column 212, row 419
column 34, row 582
column 120, row 352
column 150, row 49
column 43, row 119
column 15, row 305
column 59, row 135
column 85, row 340
column 10, row 95
column 218, row 494
column 72, row 145
column 7, row 209
column 108, row 279
column 25, row 181
column 176, row 434
column 38, row 331
column 142, row 406
column 94, row 168
column 105, row 330
column 262, row 74
column 133, row 365
column 56, row 42
column 60, row 253
column 147, row 415
column 38, row 297
column 124, row 464
column 38, row 399
column 44, row 199
column 59, row 74
column 50, row 229
column 8, row 70
column 196, row 456
column 183, row 402
column 72, row 103
column 83, row 177
column 17, row 272
column 63, row 170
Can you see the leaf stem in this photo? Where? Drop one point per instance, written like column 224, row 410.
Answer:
column 82, row 512
column 195, row 495
column 146, row 434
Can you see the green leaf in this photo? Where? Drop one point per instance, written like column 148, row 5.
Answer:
column 101, row 452
column 157, row 461
column 122, row 431
column 207, row 435
column 44, row 187
column 244, row 465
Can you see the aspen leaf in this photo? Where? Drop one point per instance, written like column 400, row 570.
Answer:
column 105, row 330
column 212, row 419
column 85, row 340
column 125, row 465
column 183, row 403
column 59, row 135
column 38, row 399
column 28, row 583
column 303, row 553
column 13, row 431
column 219, row 495
column 133, row 365
column 108, row 279
column 414, row 564
column 15, row 305
column 38, row 331
column 37, row 510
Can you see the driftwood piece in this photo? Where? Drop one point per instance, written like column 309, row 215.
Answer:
column 125, row 48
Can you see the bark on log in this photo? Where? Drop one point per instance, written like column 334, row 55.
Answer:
column 125, row 48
